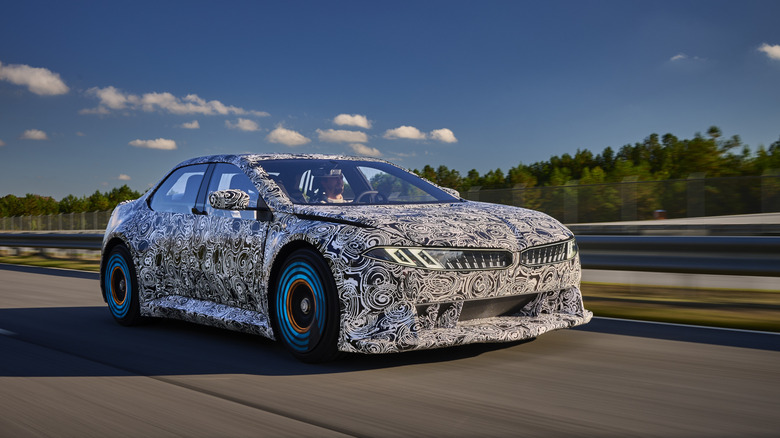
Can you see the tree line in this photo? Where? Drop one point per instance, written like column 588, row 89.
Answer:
column 36, row 205
column 657, row 158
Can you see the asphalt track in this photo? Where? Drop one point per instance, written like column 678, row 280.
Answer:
column 67, row 369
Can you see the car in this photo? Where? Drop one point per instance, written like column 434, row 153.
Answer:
column 332, row 254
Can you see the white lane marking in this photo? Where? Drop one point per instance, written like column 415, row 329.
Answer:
column 690, row 326
column 7, row 332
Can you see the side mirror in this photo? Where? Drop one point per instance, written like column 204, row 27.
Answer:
column 231, row 199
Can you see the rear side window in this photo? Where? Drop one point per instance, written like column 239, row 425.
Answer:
column 177, row 194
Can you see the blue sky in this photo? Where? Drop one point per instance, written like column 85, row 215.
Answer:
column 94, row 95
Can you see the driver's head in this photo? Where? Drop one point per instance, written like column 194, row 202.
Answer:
column 332, row 183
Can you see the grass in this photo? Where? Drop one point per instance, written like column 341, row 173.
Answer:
column 81, row 264
column 749, row 310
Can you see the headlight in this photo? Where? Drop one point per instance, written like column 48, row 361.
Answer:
column 443, row 258
column 549, row 254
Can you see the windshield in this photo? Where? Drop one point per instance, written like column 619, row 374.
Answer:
column 351, row 182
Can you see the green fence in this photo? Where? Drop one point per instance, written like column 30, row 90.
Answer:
column 92, row 221
column 641, row 200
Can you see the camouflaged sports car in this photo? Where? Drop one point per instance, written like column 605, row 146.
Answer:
column 337, row 254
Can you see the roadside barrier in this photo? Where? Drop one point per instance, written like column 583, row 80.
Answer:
column 732, row 255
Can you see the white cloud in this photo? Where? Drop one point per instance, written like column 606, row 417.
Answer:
column 81, row 134
column 34, row 134
column 38, row 80
column 2, row 143
column 352, row 120
column 113, row 99
column 405, row 132
column 243, row 125
column 683, row 58
column 773, row 52
column 123, row 177
column 160, row 143
column 286, row 137
column 362, row 149
column 342, row 136
column 443, row 135
column 190, row 125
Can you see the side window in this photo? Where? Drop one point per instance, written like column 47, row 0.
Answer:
column 177, row 194
column 227, row 176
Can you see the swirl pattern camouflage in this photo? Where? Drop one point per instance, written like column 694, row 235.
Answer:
column 256, row 243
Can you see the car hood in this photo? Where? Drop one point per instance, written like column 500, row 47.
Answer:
column 458, row 225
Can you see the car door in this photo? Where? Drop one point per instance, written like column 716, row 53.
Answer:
column 170, row 252
column 231, row 246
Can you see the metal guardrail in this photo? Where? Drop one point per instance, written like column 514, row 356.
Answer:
column 671, row 227
column 52, row 240
column 733, row 255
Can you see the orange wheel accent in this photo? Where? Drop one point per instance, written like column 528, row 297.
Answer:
column 296, row 284
column 114, row 285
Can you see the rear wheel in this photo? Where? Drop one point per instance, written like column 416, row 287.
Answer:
column 121, row 287
column 306, row 307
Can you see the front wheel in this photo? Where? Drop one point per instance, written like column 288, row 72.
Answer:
column 121, row 287
column 306, row 307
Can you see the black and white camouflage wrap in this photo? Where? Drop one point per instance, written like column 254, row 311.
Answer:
column 230, row 199
column 216, row 270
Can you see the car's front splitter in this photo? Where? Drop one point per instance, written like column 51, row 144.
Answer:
column 487, row 330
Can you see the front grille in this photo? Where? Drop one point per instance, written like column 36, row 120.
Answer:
column 549, row 254
column 471, row 259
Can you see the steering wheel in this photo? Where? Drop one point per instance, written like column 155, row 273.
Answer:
column 371, row 196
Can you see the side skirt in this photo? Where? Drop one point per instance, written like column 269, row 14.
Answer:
column 208, row 313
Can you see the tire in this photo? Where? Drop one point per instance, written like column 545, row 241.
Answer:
column 121, row 286
column 306, row 307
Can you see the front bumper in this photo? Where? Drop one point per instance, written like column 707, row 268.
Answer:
column 407, row 327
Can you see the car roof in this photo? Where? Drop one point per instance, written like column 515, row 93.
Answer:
column 254, row 159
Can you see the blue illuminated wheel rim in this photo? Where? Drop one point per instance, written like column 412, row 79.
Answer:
column 118, row 286
column 301, row 306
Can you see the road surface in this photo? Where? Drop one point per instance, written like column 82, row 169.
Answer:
column 67, row 369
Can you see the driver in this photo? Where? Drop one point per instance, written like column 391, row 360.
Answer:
column 333, row 186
